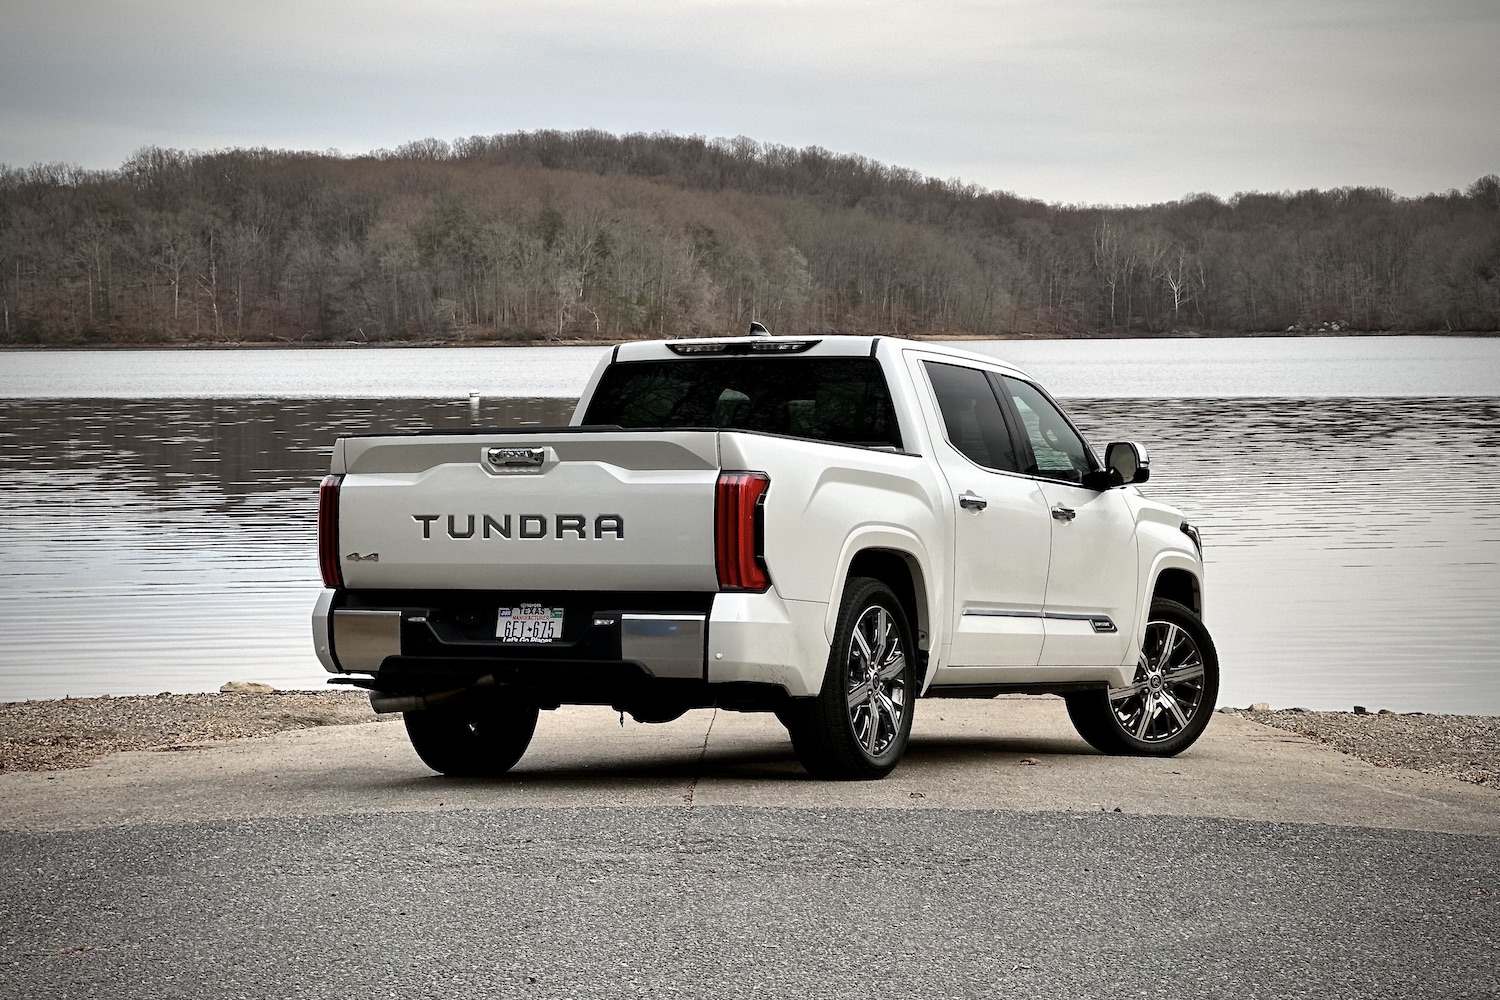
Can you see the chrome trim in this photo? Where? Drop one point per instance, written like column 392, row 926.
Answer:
column 969, row 500
column 322, row 642
column 1101, row 623
column 515, row 460
column 363, row 639
column 1141, row 459
column 517, row 456
column 666, row 645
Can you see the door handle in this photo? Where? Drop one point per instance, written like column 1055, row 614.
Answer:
column 1064, row 513
column 972, row 501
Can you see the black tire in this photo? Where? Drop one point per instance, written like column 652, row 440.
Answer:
column 1168, row 704
column 475, row 740
column 837, row 735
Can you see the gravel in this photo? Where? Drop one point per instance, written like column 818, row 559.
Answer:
column 1466, row 747
column 74, row 732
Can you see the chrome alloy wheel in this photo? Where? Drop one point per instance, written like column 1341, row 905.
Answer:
column 1168, row 688
column 875, row 676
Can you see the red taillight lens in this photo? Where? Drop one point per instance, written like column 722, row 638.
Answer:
column 328, row 531
column 737, row 531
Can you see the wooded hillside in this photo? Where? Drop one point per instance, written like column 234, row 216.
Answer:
column 554, row 235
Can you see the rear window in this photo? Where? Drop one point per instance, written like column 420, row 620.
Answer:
column 844, row 400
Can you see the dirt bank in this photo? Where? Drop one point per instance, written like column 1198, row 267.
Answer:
column 74, row 732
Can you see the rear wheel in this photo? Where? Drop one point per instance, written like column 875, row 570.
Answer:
column 1166, row 706
column 858, row 726
column 474, row 740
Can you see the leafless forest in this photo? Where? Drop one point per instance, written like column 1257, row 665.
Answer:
column 561, row 235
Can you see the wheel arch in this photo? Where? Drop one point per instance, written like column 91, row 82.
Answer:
column 1178, row 584
column 1174, row 575
column 895, row 560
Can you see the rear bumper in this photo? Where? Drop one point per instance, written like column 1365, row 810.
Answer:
column 416, row 641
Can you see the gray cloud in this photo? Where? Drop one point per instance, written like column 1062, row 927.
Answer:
column 1069, row 100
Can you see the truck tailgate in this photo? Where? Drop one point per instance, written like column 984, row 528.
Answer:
column 562, row 510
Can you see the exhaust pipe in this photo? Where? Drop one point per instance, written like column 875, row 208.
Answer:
column 385, row 704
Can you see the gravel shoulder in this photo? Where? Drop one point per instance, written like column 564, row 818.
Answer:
column 75, row 732
column 1466, row 747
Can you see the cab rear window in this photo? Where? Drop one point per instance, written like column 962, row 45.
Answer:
column 844, row 400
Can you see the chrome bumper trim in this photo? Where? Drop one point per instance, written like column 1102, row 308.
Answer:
column 363, row 639
column 322, row 644
column 666, row 645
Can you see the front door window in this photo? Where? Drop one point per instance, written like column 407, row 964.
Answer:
column 1057, row 452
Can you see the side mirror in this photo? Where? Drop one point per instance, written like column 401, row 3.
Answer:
column 1127, row 462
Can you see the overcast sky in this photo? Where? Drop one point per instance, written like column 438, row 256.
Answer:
column 1064, row 100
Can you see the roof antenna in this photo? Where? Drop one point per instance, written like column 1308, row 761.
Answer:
column 759, row 330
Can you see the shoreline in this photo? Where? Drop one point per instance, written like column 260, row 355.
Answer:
column 70, row 733
column 64, row 733
column 1462, row 747
column 351, row 345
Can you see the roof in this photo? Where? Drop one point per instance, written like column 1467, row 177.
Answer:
column 814, row 345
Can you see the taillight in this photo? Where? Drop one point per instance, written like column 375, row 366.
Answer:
column 328, row 531
column 738, row 527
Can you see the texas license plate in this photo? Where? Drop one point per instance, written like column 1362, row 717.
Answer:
column 529, row 623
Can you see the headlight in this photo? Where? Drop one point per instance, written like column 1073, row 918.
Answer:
column 1196, row 535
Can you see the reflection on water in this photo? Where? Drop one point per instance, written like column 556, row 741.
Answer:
column 150, row 545
column 1353, row 544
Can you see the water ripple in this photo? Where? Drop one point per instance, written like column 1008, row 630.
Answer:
column 1353, row 544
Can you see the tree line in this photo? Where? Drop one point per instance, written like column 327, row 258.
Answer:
column 560, row 235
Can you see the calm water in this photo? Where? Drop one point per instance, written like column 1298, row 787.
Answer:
column 1139, row 369
column 157, row 523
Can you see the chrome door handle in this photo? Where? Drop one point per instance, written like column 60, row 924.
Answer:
column 1064, row 513
column 972, row 501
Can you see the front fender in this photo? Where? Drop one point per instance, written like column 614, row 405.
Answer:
column 1163, row 561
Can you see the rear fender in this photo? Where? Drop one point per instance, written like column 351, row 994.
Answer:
column 929, row 629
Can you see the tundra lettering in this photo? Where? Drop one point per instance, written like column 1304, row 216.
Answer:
column 531, row 526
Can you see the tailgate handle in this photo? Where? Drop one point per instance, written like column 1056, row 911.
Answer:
column 511, row 457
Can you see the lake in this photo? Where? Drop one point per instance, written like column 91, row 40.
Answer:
column 157, row 530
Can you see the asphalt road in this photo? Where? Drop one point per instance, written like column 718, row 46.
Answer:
column 330, row 864
column 744, row 902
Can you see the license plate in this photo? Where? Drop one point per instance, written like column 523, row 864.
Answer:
column 529, row 623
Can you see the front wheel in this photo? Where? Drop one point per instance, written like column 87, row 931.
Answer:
column 858, row 725
column 1166, row 706
column 474, row 740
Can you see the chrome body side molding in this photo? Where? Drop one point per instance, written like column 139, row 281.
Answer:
column 1101, row 623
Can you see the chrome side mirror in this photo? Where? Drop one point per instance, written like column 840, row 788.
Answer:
column 1127, row 463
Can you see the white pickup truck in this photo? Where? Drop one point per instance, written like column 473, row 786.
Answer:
column 826, row 528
